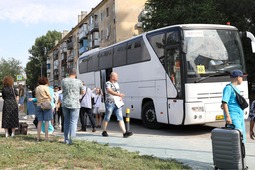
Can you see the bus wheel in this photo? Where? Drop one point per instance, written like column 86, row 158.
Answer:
column 149, row 116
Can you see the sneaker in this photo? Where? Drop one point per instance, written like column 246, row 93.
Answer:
column 105, row 134
column 94, row 130
column 127, row 134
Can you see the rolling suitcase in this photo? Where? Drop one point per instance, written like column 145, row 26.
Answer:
column 228, row 148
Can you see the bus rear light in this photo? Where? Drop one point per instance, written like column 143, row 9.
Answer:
column 198, row 109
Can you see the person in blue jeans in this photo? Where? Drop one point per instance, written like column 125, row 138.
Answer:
column 232, row 111
column 72, row 88
column 114, row 104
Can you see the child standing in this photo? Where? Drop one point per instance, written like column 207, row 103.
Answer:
column 97, row 100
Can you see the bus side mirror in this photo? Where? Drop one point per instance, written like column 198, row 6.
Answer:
column 251, row 37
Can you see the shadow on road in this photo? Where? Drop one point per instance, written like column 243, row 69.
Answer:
column 167, row 130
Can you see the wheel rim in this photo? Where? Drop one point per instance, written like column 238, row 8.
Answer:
column 150, row 115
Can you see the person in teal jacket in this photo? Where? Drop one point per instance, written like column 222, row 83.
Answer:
column 232, row 111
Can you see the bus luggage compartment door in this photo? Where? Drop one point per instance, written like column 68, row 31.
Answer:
column 175, row 111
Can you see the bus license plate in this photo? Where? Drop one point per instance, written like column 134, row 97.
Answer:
column 219, row 117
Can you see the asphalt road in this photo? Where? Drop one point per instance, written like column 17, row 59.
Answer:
column 188, row 144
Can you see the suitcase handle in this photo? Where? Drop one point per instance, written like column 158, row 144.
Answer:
column 232, row 126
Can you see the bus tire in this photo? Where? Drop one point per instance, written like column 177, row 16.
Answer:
column 149, row 117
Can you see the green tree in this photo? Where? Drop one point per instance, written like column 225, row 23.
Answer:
column 37, row 61
column 240, row 13
column 160, row 13
column 10, row 67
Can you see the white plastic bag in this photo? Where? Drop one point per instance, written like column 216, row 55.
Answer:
column 101, row 108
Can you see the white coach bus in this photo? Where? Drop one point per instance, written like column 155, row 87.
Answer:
column 173, row 75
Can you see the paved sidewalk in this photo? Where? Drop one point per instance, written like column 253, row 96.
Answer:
column 194, row 152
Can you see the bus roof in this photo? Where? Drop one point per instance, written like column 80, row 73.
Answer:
column 196, row 26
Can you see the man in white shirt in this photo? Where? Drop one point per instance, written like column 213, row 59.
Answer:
column 86, row 110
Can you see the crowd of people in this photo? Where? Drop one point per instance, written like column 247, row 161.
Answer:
column 62, row 107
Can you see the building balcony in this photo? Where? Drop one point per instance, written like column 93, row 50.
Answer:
column 83, row 31
column 95, row 43
column 70, row 58
column 93, row 26
column 70, row 45
column 83, row 49
column 63, row 47
column 63, row 50
column 63, row 59
column 55, row 72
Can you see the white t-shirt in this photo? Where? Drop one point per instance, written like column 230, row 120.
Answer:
column 86, row 101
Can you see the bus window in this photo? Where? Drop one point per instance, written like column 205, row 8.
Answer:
column 120, row 55
column 173, row 67
column 173, row 38
column 137, row 52
column 105, row 59
column 93, row 63
column 157, row 43
column 83, row 66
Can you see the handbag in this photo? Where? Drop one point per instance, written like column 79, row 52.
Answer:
column 46, row 105
column 101, row 108
column 241, row 100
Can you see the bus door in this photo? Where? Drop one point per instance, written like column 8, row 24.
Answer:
column 104, row 77
column 174, row 85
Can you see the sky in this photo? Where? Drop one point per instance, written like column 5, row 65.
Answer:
column 22, row 21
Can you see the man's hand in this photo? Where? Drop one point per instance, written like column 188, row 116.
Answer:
column 228, row 121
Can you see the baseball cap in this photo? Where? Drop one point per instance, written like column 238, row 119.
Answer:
column 237, row 73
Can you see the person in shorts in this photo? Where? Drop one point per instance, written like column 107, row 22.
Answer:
column 113, row 98
column 42, row 94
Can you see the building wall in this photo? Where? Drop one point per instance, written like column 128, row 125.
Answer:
column 127, row 13
column 117, row 21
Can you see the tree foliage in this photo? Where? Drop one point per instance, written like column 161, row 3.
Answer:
column 240, row 13
column 10, row 67
column 37, row 61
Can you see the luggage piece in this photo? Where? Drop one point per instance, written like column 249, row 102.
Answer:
column 228, row 148
column 22, row 129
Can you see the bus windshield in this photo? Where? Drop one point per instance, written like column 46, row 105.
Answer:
column 210, row 52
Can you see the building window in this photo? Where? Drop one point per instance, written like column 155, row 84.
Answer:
column 102, row 16
column 107, row 12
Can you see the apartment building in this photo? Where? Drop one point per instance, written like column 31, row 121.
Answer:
column 109, row 22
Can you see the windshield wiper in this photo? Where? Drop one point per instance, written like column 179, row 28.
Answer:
column 212, row 75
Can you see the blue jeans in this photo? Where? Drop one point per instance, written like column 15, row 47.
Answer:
column 70, row 122
column 112, row 108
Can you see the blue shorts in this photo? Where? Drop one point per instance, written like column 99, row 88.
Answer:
column 21, row 100
column 44, row 115
column 112, row 108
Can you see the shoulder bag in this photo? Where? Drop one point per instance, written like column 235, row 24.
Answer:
column 241, row 100
column 46, row 105
column 101, row 108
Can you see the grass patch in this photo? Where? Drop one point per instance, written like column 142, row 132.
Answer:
column 22, row 152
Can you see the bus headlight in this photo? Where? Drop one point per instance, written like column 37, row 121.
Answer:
column 198, row 109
